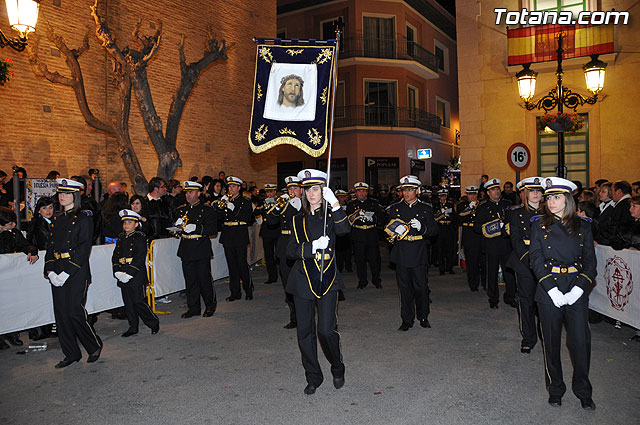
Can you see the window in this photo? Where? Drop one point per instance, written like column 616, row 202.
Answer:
column 574, row 6
column 443, row 110
column 340, row 101
column 576, row 153
column 380, row 103
column 281, row 34
column 412, row 101
column 328, row 31
column 379, row 39
column 411, row 40
column 442, row 53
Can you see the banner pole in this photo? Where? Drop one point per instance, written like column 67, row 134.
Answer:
column 339, row 25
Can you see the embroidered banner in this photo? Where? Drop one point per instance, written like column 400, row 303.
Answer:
column 291, row 97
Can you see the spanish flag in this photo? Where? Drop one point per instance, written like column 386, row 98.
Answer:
column 539, row 43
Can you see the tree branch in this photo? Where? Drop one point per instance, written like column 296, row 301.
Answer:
column 105, row 36
column 40, row 68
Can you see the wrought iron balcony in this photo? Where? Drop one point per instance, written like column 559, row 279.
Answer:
column 403, row 49
column 386, row 116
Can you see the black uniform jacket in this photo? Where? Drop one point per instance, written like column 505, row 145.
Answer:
column 465, row 217
column 39, row 232
column 445, row 220
column 12, row 241
column 197, row 245
column 70, row 245
column 362, row 230
column 519, row 230
column 236, row 222
column 270, row 228
column 159, row 214
column 560, row 259
column 284, row 218
column 490, row 218
column 412, row 250
column 304, row 279
column 129, row 256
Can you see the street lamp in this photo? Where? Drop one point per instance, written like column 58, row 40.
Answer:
column 561, row 96
column 23, row 15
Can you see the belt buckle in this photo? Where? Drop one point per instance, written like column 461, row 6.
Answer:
column 564, row 270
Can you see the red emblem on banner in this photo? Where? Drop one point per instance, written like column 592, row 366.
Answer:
column 619, row 280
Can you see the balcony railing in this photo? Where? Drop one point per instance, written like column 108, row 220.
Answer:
column 386, row 116
column 403, row 49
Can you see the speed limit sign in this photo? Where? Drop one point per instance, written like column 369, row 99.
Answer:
column 519, row 156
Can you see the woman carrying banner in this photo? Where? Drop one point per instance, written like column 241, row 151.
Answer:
column 564, row 262
column 67, row 268
column 312, row 287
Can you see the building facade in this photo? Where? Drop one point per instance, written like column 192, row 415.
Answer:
column 493, row 117
column 397, row 88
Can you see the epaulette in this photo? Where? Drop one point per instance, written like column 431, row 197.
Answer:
column 88, row 213
column 587, row 219
column 535, row 217
column 515, row 207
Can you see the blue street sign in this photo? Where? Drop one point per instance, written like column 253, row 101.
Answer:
column 424, row 153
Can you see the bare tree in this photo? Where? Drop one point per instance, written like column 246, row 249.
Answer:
column 130, row 71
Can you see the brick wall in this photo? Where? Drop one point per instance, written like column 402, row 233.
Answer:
column 42, row 128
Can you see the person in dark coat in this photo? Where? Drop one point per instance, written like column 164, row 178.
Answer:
column 471, row 241
column 629, row 237
column 129, row 268
column 198, row 223
column 67, row 268
column 564, row 262
column 620, row 218
column 39, row 229
column 411, row 224
column 314, row 280
column 344, row 247
column 158, row 211
column 270, row 232
column 135, row 204
column 519, row 230
column 12, row 241
column 445, row 216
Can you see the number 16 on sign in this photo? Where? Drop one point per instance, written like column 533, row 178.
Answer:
column 519, row 158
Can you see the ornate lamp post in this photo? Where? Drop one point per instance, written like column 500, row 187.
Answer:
column 23, row 15
column 561, row 96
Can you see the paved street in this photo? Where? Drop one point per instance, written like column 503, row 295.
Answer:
column 242, row 367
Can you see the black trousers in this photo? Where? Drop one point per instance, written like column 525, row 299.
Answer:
column 285, row 268
column 578, row 340
column 198, row 280
column 475, row 266
column 414, row 292
column 527, row 283
column 364, row 252
column 447, row 249
column 269, row 247
column 326, row 331
column 135, row 306
column 343, row 255
column 238, row 270
column 71, row 319
column 494, row 262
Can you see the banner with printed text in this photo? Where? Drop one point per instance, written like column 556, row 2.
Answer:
column 291, row 97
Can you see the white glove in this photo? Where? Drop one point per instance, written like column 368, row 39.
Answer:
column 119, row 275
column 472, row 204
column 369, row 215
column 189, row 228
column 53, row 278
column 448, row 211
column 269, row 201
column 416, row 224
column 179, row 222
column 573, row 295
column 230, row 206
column 321, row 243
column 224, row 198
column 296, row 203
column 557, row 297
column 62, row 278
column 259, row 220
column 126, row 278
column 400, row 230
column 328, row 196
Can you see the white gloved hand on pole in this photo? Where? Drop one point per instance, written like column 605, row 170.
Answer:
column 329, row 196
column 321, row 243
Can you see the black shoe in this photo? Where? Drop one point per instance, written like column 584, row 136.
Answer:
column 291, row 325
column 635, row 338
column 95, row 356
column 64, row 363
column 128, row 333
column 118, row 316
column 208, row 312
column 474, row 289
column 3, row 345
column 310, row 389
column 248, row 297
column 493, row 306
column 378, row 285
column 338, row 382
column 269, row 282
column 513, row 303
column 405, row 327
column 587, row 404
column 525, row 350
column 555, row 401
column 425, row 323
column 232, row 298
column 14, row 340
column 190, row 313
column 155, row 329
column 361, row 285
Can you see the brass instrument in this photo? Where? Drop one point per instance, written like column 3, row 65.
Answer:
column 279, row 203
column 390, row 230
column 219, row 203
